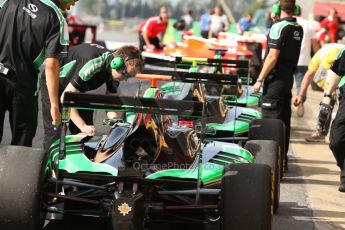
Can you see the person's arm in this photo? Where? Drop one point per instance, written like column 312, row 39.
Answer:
column 147, row 40
column 269, row 64
column 307, row 79
column 52, row 78
column 111, row 115
column 315, row 45
column 75, row 116
column 146, row 28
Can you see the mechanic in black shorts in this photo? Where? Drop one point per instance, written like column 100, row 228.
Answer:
column 31, row 32
column 284, row 43
column 87, row 67
column 337, row 134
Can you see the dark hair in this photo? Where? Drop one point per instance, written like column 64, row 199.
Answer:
column 288, row 5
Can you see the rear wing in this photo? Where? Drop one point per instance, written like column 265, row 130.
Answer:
column 204, row 78
column 181, row 62
column 132, row 104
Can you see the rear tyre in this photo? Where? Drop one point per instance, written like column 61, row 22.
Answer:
column 270, row 129
column 21, row 178
column 246, row 193
column 267, row 152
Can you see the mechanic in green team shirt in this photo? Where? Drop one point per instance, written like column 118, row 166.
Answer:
column 337, row 134
column 87, row 67
column 276, row 76
column 31, row 32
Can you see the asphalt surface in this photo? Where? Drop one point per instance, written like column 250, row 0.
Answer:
column 309, row 196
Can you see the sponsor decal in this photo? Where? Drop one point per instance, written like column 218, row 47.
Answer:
column 30, row 10
column 124, row 209
column 296, row 35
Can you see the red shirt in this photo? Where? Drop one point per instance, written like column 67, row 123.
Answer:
column 153, row 26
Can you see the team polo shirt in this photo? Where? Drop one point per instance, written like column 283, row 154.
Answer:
column 153, row 26
column 30, row 31
column 339, row 67
column 285, row 35
column 87, row 67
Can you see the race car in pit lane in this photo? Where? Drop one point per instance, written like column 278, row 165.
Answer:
column 143, row 174
column 226, row 123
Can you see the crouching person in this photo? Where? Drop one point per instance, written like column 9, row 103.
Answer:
column 87, row 67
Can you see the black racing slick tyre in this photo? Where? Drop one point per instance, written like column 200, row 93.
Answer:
column 270, row 129
column 267, row 152
column 246, row 197
column 21, row 185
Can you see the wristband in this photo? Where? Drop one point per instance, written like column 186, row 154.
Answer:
column 260, row 81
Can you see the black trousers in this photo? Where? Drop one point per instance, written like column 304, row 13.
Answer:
column 51, row 135
column 337, row 136
column 154, row 41
column 279, row 108
column 23, row 110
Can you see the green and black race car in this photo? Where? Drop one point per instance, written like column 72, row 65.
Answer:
column 145, row 173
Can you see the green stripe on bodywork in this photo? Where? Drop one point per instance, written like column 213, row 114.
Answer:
column 93, row 66
column 64, row 39
column 211, row 172
column 39, row 59
column 278, row 27
column 64, row 70
column 76, row 161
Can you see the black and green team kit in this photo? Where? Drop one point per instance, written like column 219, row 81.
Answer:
column 30, row 31
column 87, row 67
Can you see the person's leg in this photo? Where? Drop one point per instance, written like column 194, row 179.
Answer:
column 3, row 103
column 141, row 42
column 50, row 135
column 323, row 122
column 337, row 142
column 156, row 42
column 23, row 118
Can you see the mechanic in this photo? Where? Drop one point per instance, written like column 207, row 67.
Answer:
column 318, row 70
column 309, row 41
column 276, row 76
column 151, row 28
column 337, row 135
column 31, row 32
column 87, row 67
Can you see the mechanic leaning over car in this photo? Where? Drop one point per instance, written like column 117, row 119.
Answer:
column 86, row 68
column 318, row 70
column 276, row 76
column 31, row 32
column 151, row 28
column 337, row 134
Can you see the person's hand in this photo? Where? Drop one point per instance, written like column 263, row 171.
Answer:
column 297, row 100
column 151, row 46
column 89, row 130
column 257, row 86
column 161, row 44
column 56, row 115
column 112, row 115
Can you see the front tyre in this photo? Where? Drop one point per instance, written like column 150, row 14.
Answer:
column 22, row 171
